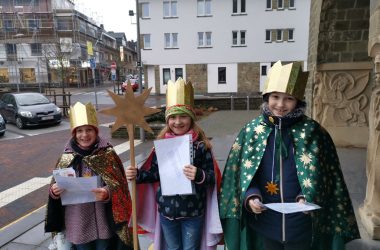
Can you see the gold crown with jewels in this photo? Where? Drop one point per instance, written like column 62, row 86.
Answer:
column 81, row 114
column 288, row 79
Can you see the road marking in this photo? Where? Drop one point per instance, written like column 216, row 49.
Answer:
column 22, row 189
column 35, row 183
column 124, row 147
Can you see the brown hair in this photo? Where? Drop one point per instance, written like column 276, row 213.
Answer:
column 201, row 134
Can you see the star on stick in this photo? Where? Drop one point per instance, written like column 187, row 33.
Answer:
column 130, row 109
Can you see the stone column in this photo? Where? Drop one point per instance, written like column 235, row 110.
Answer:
column 370, row 210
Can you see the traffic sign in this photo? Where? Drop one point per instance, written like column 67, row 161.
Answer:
column 113, row 77
column 92, row 63
column 113, row 65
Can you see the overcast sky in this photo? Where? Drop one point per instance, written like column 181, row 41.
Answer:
column 114, row 14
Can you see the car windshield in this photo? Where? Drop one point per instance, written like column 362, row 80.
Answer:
column 31, row 99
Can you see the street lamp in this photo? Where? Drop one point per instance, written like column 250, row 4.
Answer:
column 93, row 66
column 139, row 65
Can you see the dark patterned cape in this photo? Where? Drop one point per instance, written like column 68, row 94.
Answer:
column 319, row 175
column 108, row 165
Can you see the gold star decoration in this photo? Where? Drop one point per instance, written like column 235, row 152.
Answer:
column 130, row 109
column 271, row 188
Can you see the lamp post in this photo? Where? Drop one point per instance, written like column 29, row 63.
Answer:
column 139, row 64
column 93, row 66
column 17, row 76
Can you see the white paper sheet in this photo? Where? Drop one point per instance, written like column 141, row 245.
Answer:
column 172, row 155
column 77, row 189
column 293, row 207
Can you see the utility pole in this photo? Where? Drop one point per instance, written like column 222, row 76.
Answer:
column 139, row 63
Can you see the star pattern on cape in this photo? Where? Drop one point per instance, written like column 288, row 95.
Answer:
column 271, row 188
column 130, row 109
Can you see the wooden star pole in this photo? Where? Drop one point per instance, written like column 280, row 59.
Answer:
column 130, row 110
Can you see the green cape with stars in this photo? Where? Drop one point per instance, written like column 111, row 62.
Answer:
column 319, row 175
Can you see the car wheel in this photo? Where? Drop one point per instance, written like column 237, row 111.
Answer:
column 19, row 123
column 2, row 134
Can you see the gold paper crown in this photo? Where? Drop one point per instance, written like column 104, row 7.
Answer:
column 179, row 93
column 288, row 79
column 81, row 114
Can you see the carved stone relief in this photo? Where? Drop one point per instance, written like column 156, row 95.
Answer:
column 339, row 98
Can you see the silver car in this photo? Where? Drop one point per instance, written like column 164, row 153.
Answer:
column 2, row 126
column 29, row 109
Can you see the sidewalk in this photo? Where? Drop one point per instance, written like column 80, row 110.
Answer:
column 222, row 127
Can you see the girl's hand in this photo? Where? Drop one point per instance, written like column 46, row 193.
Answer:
column 101, row 194
column 57, row 191
column 302, row 200
column 256, row 206
column 190, row 171
column 131, row 173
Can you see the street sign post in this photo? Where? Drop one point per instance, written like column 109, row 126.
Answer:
column 93, row 67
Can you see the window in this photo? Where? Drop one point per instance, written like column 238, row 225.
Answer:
column 268, row 35
column 236, row 4
column 36, row 49
column 292, row 4
column 238, row 38
column 25, row 3
column 4, row 77
column 280, row 4
column 279, row 35
column 242, row 37
column 204, row 7
column 11, row 51
column 178, row 73
column 269, row 4
column 82, row 26
column 170, row 8
column 290, row 34
column 146, row 41
column 204, row 39
column 144, row 10
column 64, row 23
column 27, row 75
column 8, row 25
column 33, row 25
column 171, row 40
column 83, row 52
column 264, row 70
column 165, row 75
column 222, row 74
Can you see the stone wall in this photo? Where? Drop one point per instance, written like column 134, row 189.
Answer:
column 338, row 87
column 197, row 74
column 343, row 33
column 248, row 78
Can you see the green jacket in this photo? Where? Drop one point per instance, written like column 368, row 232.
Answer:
column 319, row 175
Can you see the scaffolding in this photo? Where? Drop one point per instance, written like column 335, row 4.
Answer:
column 32, row 27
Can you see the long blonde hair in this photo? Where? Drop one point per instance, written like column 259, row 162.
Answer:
column 201, row 134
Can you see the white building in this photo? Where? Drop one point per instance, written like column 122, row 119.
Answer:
column 222, row 46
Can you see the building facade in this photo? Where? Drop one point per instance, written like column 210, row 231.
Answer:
column 128, row 56
column 223, row 47
column 50, row 43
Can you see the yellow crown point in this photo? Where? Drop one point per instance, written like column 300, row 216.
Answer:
column 288, row 79
column 81, row 114
column 179, row 93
